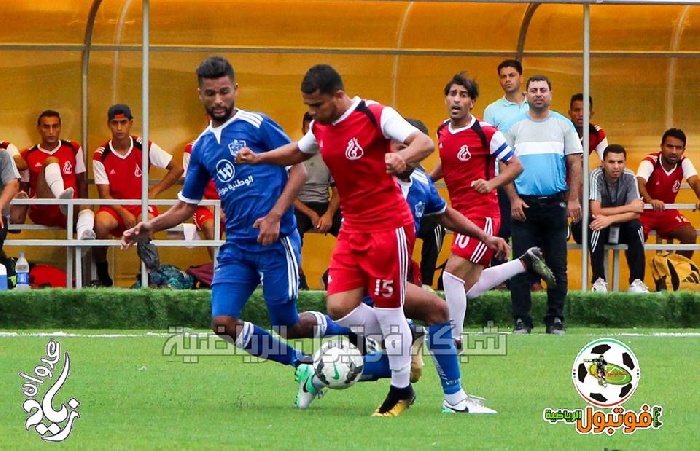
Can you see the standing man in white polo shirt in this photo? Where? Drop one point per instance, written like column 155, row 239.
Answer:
column 547, row 144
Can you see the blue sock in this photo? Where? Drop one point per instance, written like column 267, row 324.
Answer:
column 333, row 328
column 258, row 342
column 376, row 366
column 442, row 348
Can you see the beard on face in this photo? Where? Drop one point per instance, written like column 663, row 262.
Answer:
column 222, row 118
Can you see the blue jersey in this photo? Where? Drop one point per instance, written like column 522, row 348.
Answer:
column 247, row 192
column 422, row 197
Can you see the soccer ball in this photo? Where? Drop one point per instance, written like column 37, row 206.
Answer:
column 338, row 364
column 606, row 373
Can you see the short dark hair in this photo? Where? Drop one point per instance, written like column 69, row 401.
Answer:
column 322, row 78
column 214, row 67
column 539, row 78
column 674, row 133
column 461, row 79
column 615, row 148
column 578, row 97
column 48, row 113
column 418, row 124
column 515, row 64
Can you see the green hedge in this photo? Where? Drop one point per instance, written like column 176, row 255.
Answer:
column 160, row 309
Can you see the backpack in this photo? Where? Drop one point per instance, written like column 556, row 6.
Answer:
column 46, row 276
column 167, row 276
column 202, row 274
column 674, row 272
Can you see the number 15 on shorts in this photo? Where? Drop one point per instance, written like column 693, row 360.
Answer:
column 384, row 288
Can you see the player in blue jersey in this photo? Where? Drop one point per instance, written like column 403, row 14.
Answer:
column 262, row 242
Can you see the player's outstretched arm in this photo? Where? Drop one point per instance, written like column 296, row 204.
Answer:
column 176, row 215
column 285, row 155
column 418, row 147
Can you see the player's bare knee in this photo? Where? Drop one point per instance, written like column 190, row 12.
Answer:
column 226, row 325
column 50, row 160
column 304, row 327
column 438, row 314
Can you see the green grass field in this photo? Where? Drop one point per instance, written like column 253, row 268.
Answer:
column 134, row 397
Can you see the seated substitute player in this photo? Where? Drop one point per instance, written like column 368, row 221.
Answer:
column 55, row 169
column 376, row 240
column 262, row 244
column 117, row 168
column 314, row 209
column 660, row 175
column 204, row 216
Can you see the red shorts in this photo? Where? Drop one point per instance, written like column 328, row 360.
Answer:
column 47, row 215
column 664, row 222
column 133, row 209
column 377, row 261
column 202, row 215
column 472, row 249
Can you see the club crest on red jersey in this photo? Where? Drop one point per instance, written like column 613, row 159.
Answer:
column 137, row 171
column 464, row 154
column 354, row 150
column 67, row 168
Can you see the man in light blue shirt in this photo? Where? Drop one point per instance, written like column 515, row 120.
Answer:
column 541, row 198
column 513, row 102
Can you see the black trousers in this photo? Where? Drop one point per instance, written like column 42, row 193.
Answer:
column 304, row 222
column 631, row 234
column 546, row 226
column 433, row 235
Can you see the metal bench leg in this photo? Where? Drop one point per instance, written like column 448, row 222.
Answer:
column 616, row 269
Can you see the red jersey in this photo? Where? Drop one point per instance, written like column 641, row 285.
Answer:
column 210, row 191
column 467, row 155
column 597, row 141
column 70, row 158
column 661, row 184
column 353, row 148
column 123, row 172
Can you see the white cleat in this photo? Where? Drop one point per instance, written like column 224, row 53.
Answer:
column 66, row 194
column 307, row 391
column 470, row 404
column 600, row 286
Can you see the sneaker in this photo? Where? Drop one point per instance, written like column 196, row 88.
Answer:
column 470, row 404
column 637, row 286
column 534, row 262
column 304, row 374
column 417, row 359
column 88, row 234
column 600, row 286
column 148, row 254
column 520, row 327
column 397, row 402
column 66, row 194
column 556, row 328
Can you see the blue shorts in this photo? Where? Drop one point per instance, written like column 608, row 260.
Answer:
column 241, row 268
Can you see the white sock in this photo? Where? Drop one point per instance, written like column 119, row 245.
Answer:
column 456, row 302
column 363, row 321
column 455, row 398
column 52, row 174
column 397, row 342
column 494, row 276
column 85, row 223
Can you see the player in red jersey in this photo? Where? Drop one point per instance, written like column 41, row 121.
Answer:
column 55, row 168
column 468, row 149
column 597, row 141
column 117, row 168
column 203, row 216
column 375, row 243
column 660, row 175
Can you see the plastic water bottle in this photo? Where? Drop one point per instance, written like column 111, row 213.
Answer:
column 3, row 277
column 22, row 269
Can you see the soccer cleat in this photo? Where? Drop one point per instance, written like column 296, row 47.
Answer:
column 66, row 194
column 556, row 328
column 305, row 359
column 470, row 404
column 397, row 402
column 520, row 327
column 637, row 286
column 304, row 374
column 600, row 286
column 148, row 254
column 534, row 262
column 417, row 359
column 88, row 234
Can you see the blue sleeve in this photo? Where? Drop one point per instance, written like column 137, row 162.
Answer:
column 197, row 177
column 435, row 204
column 272, row 134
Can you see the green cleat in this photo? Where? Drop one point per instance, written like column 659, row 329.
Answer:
column 304, row 374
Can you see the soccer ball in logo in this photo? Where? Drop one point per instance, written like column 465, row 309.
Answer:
column 606, row 372
column 338, row 364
